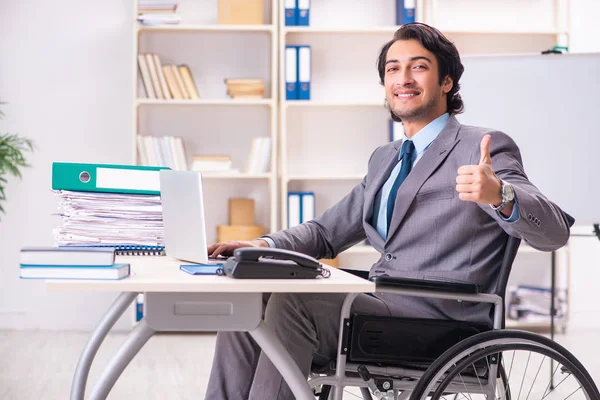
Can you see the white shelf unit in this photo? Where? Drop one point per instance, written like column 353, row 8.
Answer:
column 214, row 52
column 215, row 124
column 325, row 142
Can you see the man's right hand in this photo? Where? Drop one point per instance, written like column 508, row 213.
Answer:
column 227, row 248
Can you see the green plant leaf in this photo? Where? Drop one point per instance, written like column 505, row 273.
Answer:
column 12, row 159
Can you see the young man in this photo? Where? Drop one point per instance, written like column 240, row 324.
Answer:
column 437, row 204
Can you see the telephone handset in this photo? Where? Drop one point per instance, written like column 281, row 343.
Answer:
column 269, row 263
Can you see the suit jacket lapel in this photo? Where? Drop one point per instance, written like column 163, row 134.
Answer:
column 431, row 159
column 387, row 164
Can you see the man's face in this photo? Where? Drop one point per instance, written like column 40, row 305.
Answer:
column 412, row 84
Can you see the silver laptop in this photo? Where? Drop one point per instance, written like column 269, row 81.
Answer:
column 183, row 216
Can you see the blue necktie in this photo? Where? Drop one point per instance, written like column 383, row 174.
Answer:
column 408, row 149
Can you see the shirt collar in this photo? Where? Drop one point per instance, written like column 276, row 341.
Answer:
column 427, row 134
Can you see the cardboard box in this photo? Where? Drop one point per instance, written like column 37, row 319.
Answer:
column 241, row 12
column 226, row 233
column 241, row 212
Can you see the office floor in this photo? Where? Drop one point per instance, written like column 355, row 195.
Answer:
column 40, row 365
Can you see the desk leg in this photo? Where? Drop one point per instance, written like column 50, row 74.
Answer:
column 132, row 345
column 279, row 356
column 84, row 364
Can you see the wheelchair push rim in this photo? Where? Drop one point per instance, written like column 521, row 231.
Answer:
column 443, row 372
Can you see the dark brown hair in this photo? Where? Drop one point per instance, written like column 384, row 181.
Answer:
column 444, row 50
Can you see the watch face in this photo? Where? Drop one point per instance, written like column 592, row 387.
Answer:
column 508, row 193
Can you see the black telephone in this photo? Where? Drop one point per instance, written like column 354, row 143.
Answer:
column 263, row 263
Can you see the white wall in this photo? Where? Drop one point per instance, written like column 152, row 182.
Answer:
column 66, row 72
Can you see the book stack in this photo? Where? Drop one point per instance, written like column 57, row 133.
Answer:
column 103, row 205
column 166, row 82
column 259, row 159
column 245, row 88
column 214, row 163
column 70, row 263
column 162, row 151
column 158, row 12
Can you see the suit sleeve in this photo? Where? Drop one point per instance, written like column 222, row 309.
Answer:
column 540, row 222
column 337, row 229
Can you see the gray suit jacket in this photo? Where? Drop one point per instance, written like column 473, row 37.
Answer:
column 433, row 234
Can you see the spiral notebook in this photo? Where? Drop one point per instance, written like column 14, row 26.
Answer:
column 132, row 250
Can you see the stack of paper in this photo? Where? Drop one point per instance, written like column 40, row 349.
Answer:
column 108, row 219
column 157, row 12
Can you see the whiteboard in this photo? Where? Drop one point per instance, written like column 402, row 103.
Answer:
column 550, row 105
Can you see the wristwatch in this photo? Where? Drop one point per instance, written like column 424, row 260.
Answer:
column 508, row 195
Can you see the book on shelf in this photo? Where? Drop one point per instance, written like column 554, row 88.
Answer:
column 158, row 12
column 114, row 271
column 165, row 151
column 211, row 163
column 245, row 88
column 166, row 81
column 259, row 158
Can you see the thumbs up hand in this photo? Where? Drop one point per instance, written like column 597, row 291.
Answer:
column 479, row 183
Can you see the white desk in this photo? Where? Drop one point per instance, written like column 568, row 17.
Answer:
column 177, row 301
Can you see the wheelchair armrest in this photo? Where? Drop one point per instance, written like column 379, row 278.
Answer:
column 383, row 282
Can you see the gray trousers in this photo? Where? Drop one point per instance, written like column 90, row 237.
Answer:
column 306, row 323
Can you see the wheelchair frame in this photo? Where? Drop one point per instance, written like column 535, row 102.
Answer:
column 340, row 380
column 444, row 291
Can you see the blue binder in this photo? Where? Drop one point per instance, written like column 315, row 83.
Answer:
column 291, row 72
column 303, row 12
column 291, row 7
column 405, row 11
column 304, row 72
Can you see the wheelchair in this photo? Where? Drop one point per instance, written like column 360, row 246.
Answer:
column 398, row 358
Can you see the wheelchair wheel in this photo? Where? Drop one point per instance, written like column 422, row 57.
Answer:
column 520, row 364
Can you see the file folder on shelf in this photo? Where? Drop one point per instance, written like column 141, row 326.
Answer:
column 303, row 12
column 294, row 208
column 291, row 7
column 405, row 11
column 304, row 72
column 307, row 212
column 291, row 74
column 396, row 130
column 108, row 178
column 301, row 207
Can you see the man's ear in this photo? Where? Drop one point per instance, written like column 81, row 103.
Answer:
column 447, row 84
